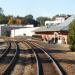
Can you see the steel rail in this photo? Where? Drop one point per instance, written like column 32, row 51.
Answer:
column 50, row 58
column 12, row 62
column 5, row 51
column 36, row 57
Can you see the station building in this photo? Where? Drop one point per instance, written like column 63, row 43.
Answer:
column 59, row 30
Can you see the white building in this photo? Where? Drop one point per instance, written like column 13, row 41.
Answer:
column 15, row 30
column 23, row 31
column 57, row 20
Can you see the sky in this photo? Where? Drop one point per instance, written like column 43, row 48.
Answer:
column 37, row 8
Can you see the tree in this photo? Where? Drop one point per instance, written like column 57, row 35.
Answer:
column 18, row 21
column 1, row 10
column 11, row 20
column 42, row 20
column 3, row 18
column 71, row 35
column 28, row 17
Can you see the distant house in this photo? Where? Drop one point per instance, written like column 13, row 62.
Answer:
column 57, row 20
column 61, row 29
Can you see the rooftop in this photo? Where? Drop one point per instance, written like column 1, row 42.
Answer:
column 63, row 26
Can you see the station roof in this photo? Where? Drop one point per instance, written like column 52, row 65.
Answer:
column 61, row 27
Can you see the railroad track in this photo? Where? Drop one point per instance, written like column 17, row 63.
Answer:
column 5, row 51
column 46, row 65
column 8, row 59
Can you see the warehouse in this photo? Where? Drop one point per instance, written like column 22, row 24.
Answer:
column 14, row 30
column 22, row 31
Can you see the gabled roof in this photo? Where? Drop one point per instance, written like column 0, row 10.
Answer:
column 61, row 27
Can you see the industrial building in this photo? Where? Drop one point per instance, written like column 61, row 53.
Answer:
column 14, row 30
column 23, row 31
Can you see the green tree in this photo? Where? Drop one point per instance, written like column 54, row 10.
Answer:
column 28, row 17
column 2, row 17
column 1, row 10
column 71, row 35
column 42, row 20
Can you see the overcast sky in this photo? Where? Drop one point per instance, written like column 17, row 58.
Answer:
column 37, row 8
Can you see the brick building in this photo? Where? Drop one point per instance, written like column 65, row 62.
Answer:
column 60, row 30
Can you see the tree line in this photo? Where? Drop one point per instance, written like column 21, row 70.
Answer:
column 28, row 19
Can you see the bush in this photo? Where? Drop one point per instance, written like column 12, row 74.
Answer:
column 71, row 35
column 72, row 47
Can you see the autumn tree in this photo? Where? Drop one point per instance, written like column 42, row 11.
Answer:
column 10, row 20
column 18, row 21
